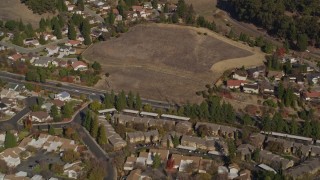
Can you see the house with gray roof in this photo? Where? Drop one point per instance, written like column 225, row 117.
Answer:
column 307, row 168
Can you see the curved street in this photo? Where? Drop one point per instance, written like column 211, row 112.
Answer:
column 90, row 143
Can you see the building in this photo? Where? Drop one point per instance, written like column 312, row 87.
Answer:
column 72, row 170
column 309, row 167
column 234, row 84
column 11, row 156
column 251, row 88
column 52, row 50
column 63, row 96
column 240, row 75
column 79, row 66
column 39, row 116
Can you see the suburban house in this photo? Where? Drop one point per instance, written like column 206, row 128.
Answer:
column 63, row 96
column 276, row 75
column 72, row 170
column 251, row 88
column 234, row 84
column 309, row 96
column 135, row 137
column 266, row 88
column 240, row 75
column 244, row 151
column 39, row 116
column 15, row 57
column 45, row 62
column 275, row 161
column 79, row 66
column 73, row 43
column 308, row 167
column 130, row 163
column 12, row 156
column 198, row 143
column 114, row 139
column 255, row 72
column 52, row 50
column 3, row 107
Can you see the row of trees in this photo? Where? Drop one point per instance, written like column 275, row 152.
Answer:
column 212, row 109
column 309, row 128
column 97, row 131
column 298, row 30
column 122, row 101
column 41, row 6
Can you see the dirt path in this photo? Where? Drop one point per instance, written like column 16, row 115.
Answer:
column 218, row 68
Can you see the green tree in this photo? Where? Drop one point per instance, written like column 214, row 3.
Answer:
column 130, row 100
column 307, row 128
column 102, row 136
column 154, row 4
column 57, row 31
column 175, row 141
column 42, row 41
column 280, row 91
column 138, row 102
column 61, row 6
column 54, row 112
column 72, row 33
column 87, row 40
column 246, row 119
column 94, row 127
column 51, row 131
column 156, row 161
column 17, row 39
column 21, row 25
column 175, row 18
column 111, row 18
column 121, row 101
column 302, row 42
column 67, row 110
column 10, row 140
column 294, row 129
column 107, row 100
column 80, row 5
column 181, row 8
column 29, row 31
column 87, row 120
column 166, row 8
column 96, row 66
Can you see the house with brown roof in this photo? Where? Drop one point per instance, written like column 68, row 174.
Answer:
column 79, row 66
column 73, row 43
column 310, row 96
column 12, row 156
column 234, row 84
column 39, row 116
column 15, row 57
column 130, row 163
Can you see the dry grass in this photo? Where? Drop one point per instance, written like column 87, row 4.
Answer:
column 166, row 62
column 15, row 10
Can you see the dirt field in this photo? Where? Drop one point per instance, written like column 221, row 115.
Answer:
column 168, row 62
column 13, row 9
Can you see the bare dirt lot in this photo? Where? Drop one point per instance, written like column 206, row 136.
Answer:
column 15, row 10
column 168, row 62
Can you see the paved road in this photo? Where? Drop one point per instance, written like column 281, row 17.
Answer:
column 78, row 90
column 89, row 142
column 13, row 121
column 32, row 50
